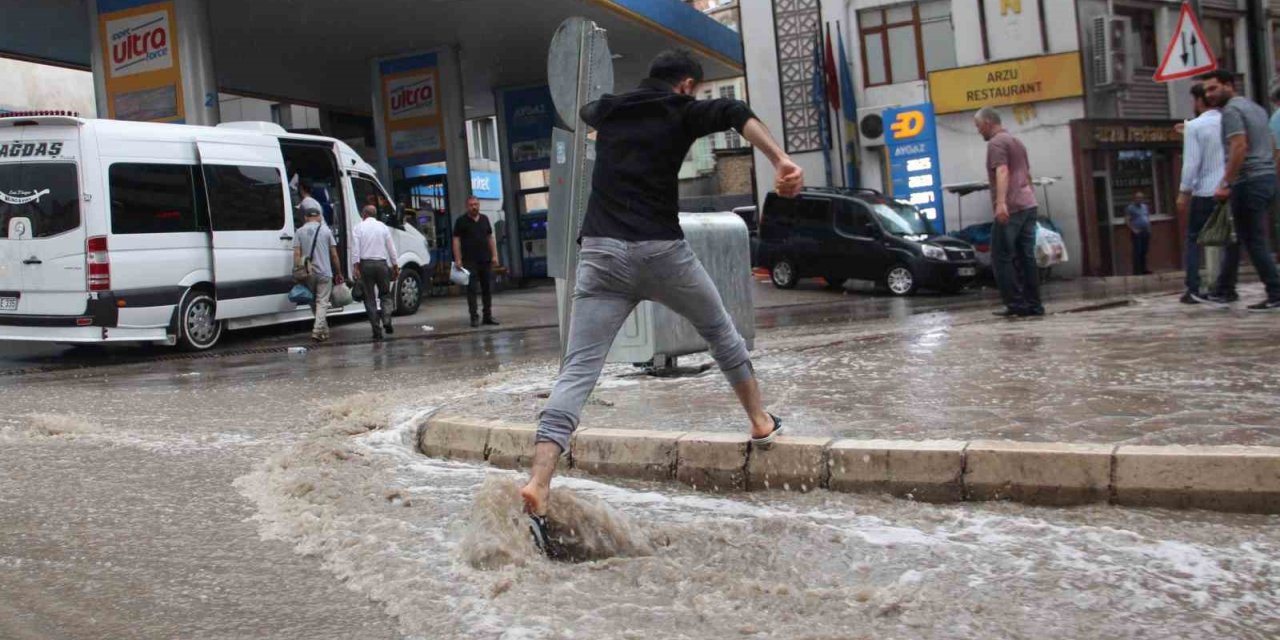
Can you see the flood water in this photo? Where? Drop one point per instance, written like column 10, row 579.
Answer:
column 441, row 545
column 283, row 497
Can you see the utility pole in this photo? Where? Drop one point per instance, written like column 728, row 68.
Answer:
column 1259, row 41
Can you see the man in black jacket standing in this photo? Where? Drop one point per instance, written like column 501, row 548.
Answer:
column 633, row 248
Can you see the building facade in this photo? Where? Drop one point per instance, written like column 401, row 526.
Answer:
column 1072, row 80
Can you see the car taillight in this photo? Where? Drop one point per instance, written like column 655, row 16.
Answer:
column 99, row 263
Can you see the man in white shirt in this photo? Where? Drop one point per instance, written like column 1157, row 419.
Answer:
column 1203, row 165
column 375, row 265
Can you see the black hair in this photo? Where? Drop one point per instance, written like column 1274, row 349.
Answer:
column 1197, row 91
column 674, row 65
column 1221, row 75
column 305, row 185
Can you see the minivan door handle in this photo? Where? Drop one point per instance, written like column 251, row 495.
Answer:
column 285, row 236
column 33, row 260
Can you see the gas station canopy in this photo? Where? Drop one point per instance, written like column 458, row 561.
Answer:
column 318, row 52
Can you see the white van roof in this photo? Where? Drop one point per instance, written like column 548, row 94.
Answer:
column 248, row 133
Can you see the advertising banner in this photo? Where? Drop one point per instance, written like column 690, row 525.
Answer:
column 140, row 54
column 411, row 109
column 1007, row 82
column 912, row 143
column 530, row 115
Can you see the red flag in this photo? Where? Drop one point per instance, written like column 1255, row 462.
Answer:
column 832, row 76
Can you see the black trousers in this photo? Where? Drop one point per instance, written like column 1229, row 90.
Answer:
column 1141, row 246
column 375, row 279
column 482, row 279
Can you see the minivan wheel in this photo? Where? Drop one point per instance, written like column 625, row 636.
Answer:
column 783, row 274
column 408, row 292
column 198, row 328
column 900, row 281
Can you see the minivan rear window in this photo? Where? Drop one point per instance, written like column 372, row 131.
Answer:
column 46, row 193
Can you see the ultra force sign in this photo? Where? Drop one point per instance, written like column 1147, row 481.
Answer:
column 411, row 96
column 139, row 43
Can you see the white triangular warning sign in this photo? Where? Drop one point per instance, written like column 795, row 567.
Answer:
column 1188, row 53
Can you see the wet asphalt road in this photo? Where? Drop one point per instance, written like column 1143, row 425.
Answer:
column 123, row 514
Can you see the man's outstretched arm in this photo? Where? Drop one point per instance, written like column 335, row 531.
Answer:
column 790, row 177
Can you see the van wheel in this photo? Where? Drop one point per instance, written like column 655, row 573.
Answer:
column 408, row 292
column 899, row 280
column 197, row 327
column 783, row 274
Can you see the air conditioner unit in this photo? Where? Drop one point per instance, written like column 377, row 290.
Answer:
column 871, row 126
column 1112, row 65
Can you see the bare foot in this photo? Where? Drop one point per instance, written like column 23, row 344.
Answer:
column 761, row 426
column 535, row 498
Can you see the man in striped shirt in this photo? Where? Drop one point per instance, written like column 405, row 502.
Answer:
column 1202, row 169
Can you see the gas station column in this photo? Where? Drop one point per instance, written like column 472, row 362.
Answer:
column 153, row 61
column 419, row 118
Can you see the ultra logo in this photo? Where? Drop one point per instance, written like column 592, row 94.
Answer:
column 412, row 96
column 140, row 43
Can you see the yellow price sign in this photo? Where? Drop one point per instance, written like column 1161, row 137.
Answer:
column 1008, row 82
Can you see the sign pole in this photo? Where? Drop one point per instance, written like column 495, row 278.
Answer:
column 579, row 71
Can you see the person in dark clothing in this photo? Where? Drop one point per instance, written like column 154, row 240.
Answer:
column 475, row 250
column 633, row 248
column 1138, row 217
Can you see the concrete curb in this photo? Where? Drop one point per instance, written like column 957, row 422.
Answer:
column 1219, row 478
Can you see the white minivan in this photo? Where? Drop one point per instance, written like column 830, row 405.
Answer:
column 116, row 231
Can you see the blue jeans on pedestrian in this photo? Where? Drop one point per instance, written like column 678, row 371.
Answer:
column 1250, row 203
column 1201, row 209
column 1013, row 257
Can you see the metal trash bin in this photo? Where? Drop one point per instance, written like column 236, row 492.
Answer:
column 655, row 334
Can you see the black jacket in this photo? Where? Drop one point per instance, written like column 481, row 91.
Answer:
column 643, row 137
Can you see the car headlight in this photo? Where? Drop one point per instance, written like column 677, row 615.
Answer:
column 933, row 251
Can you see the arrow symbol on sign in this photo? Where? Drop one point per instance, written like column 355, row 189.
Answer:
column 1184, row 49
column 1195, row 57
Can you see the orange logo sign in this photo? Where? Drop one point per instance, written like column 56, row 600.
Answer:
column 908, row 124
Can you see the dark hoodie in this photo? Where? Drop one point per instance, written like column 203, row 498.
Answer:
column 643, row 137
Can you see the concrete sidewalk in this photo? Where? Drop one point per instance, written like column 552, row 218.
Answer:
column 1152, row 371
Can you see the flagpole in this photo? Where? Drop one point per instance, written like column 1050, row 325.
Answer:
column 844, row 174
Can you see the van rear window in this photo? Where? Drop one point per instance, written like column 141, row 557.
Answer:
column 46, row 193
column 155, row 198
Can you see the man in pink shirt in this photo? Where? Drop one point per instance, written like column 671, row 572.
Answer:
column 1013, row 238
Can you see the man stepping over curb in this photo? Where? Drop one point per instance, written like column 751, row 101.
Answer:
column 632, row 249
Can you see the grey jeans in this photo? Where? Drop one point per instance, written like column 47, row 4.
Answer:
column 375, row 277
column 613, row 277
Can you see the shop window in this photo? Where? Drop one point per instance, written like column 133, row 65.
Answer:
column 1143, row 23
column 245, row 198
column 154, row 198
column 905, row 42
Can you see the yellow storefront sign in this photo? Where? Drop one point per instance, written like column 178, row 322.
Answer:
column 1008, row 82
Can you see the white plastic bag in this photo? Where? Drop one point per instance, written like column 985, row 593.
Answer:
column 1050, row 248
column 458, row 275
